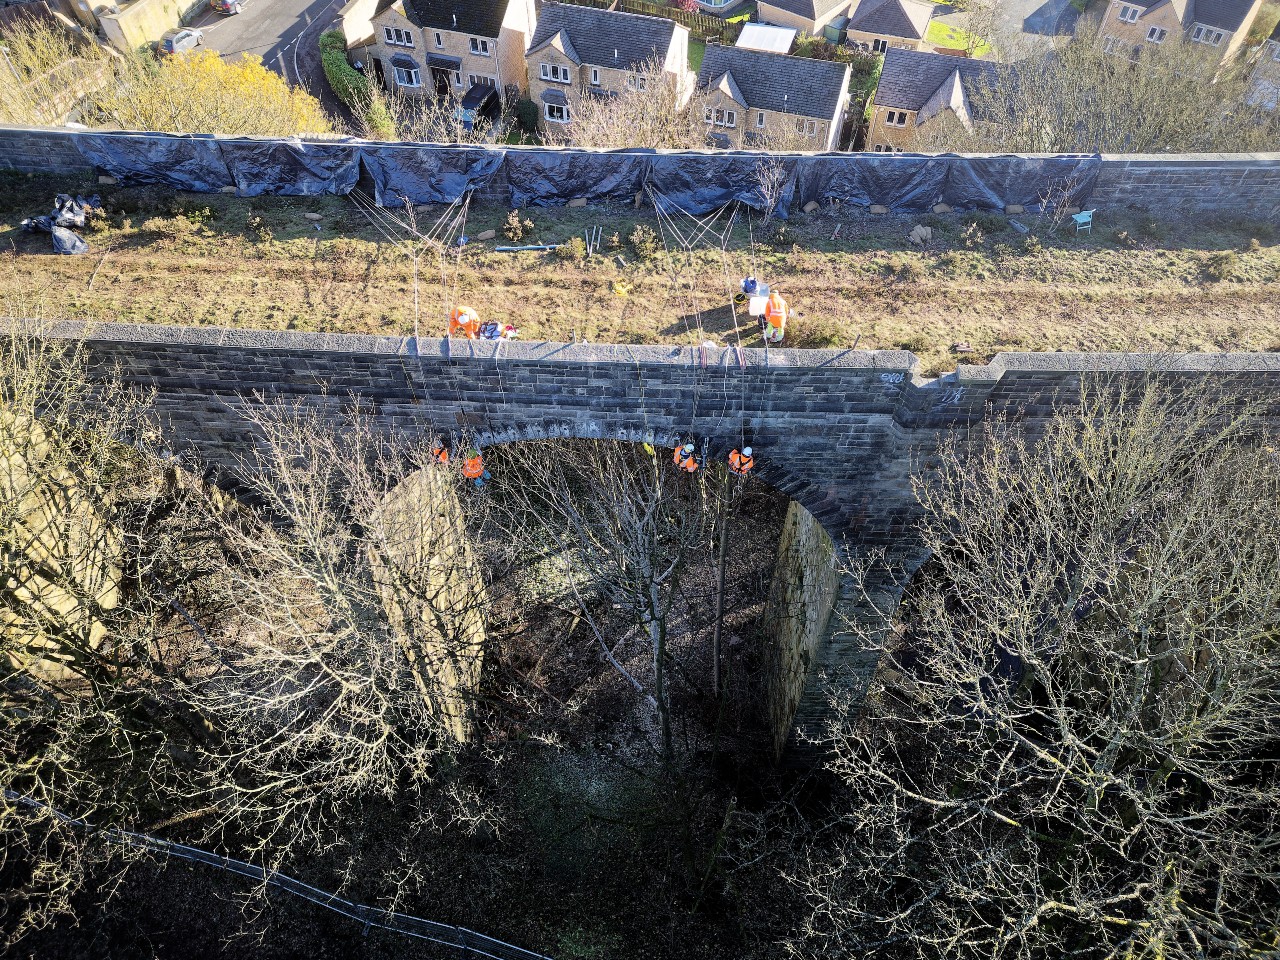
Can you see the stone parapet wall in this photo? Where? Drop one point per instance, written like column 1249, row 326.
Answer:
column 1241, row 184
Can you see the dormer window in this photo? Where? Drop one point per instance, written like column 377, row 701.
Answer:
column 480, row 46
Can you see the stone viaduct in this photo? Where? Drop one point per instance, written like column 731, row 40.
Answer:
column 842, row 432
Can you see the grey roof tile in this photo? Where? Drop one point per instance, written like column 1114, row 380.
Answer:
column 482, row 18
column 606, row 38
column 910, row 78
column 893, row 18
column 776, row 81
column 824, row 10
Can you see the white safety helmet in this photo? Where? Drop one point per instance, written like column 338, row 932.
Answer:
column 746, row 451
column 687, row 448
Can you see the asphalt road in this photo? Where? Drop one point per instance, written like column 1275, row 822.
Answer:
column 284, row 34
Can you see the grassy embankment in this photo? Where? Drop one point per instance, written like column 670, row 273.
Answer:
column 1138, row 283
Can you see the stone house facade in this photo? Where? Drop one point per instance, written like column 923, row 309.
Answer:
column 1218, row 25
column 752, row 96
column 582, row 51
column 447, row 48
column 917, row 89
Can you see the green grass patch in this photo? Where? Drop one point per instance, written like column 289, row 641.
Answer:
column 940, row 34
column 697, row 50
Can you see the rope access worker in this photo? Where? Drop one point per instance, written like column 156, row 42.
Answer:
column 473, row 468
column 464, row 322
column 773, row 325
column 684, row 458
column 741, row 462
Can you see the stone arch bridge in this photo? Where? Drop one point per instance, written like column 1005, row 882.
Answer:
column 840, row 431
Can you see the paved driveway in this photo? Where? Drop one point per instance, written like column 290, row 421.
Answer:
column 284, row 34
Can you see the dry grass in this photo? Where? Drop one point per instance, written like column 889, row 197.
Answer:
column 1136, row 284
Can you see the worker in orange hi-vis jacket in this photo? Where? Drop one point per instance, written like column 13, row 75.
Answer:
column 473, row 468
column 741, row 462
column 684, row 458
column 464, row 322
column 440, row 454
column 774, row 323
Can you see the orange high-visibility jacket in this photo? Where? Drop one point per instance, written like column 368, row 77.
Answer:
column 740, row 463
column 440, row 454
column 464, row 322
column 775, row 311
column 473, row 467
column 684, row 461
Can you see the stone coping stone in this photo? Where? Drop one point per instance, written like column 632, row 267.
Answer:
column 888, row 362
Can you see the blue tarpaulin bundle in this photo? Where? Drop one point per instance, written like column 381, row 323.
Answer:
column 67, row 212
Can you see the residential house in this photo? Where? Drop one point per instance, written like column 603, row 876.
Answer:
column 444, row 47
column 917, row 89
column 1220, row 25
column 1264, row 83
column 807, row 16
column 881, row 24
column 601, row 52
column 752, row 94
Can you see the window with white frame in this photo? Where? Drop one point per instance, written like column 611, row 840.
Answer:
column 637, row 82
column 480, row 46
column 896, row 118
column 1129, row 14
column 595, row 76
column 557, row 113
column 397, row 37
column 879, row 46
column 760, row 120
column 439, row 39
column 721, row 117
column 1205, row 35
column 1157, row 35
column 408, row 77
column 811, row 128
column 479, row 80
column 554, row 72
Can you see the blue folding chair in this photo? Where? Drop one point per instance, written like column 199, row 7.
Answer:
column 1084, row 220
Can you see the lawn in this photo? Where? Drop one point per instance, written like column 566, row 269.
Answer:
column 940, row 34
column 1137, row 283
column 697, row 50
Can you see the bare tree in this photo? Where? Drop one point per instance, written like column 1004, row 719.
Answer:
column 624, row 526
column 1072, row 748
column 1081, row 98
column 351, row 652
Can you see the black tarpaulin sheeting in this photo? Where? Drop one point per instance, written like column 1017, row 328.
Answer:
column 551, row 178
column 64, row 241
column 903, row 181
column 1032, row 182
column 185, row 162
column 701, row 183
column 427, row 174
column 292, row 168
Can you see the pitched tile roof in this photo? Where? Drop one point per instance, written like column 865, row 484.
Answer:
column 483, row 18
column 605, row 38
column 893, row 18
column 1227, row 15
column 820, row 10
column 775, row 81
column 910, row 78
